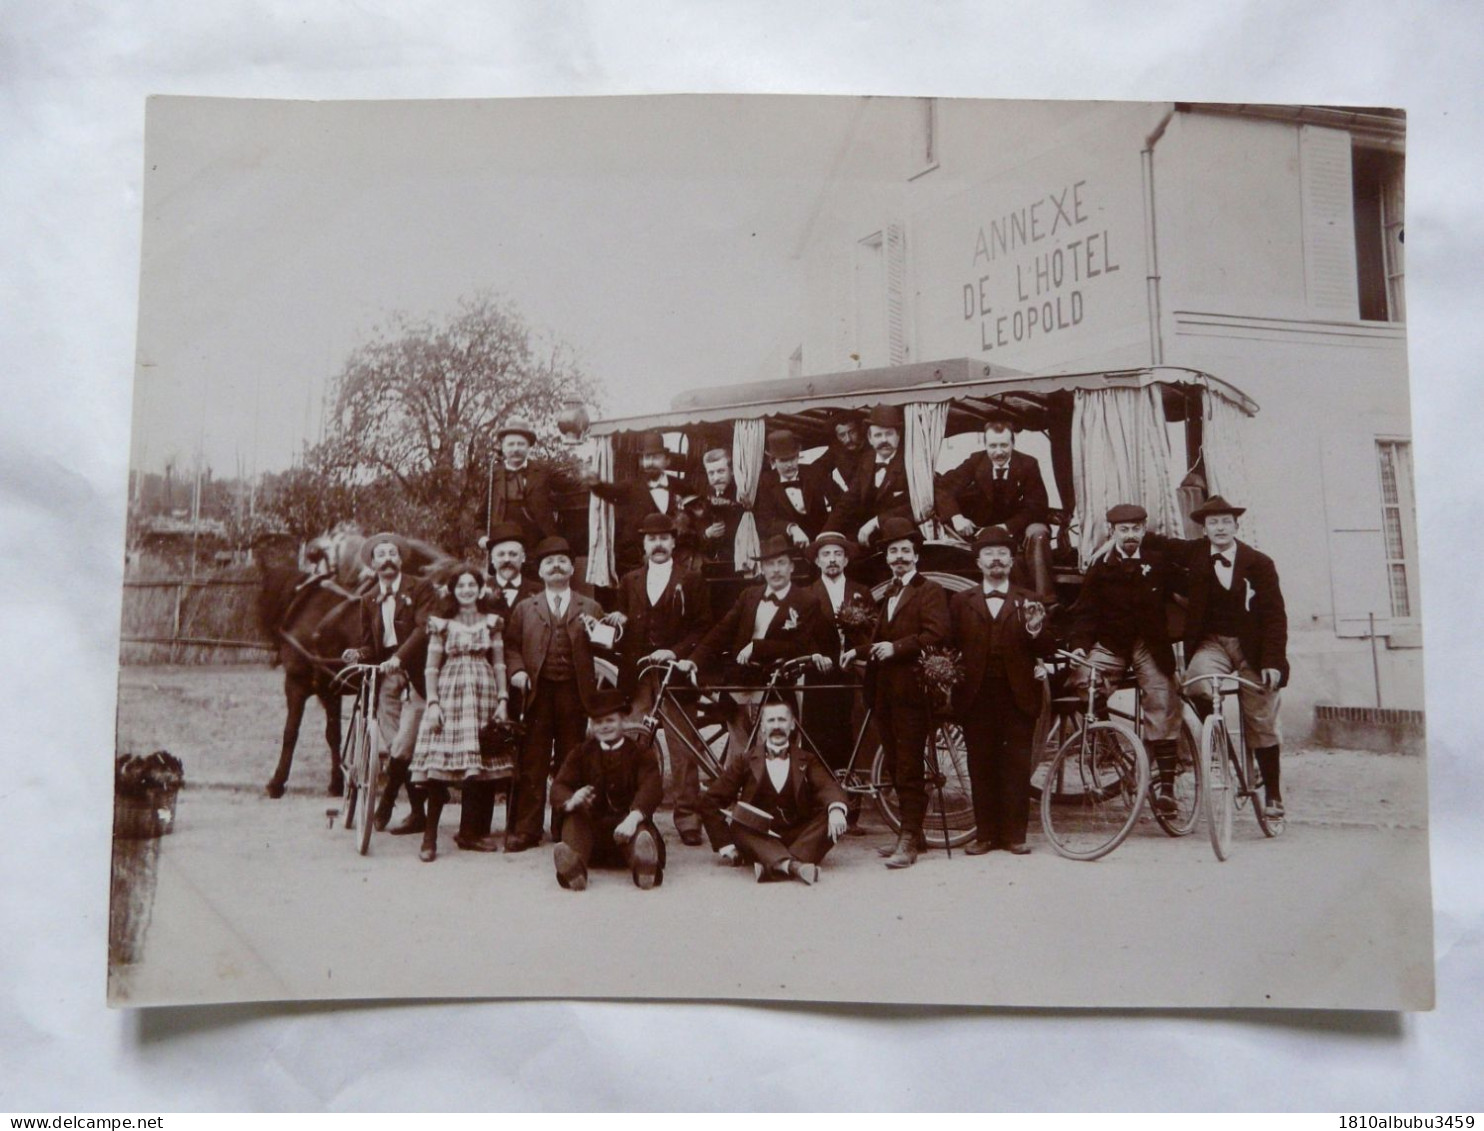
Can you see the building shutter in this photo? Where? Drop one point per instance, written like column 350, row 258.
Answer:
column 1329, row 223
column 1357, row 547
column 896, row 283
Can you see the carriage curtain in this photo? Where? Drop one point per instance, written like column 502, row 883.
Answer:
column 1221, row 453
column 1121, row 454
column 926, row 425
column 600, row 532
column 747, row 467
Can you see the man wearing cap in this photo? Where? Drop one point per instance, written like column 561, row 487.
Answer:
column 913, row 616
column 1119, row 623
column 878, row 487
column 663, row 611
column 519, row 491
column 1236, row 623
column 550, row 661
column 607, row 790
column 767, row 624
column 393, row 616
column 652, row 492
column 792, row 500
column 786, row 809
column 828, row 712
column 846, row 449
column 1003, row 488
column 998, row 628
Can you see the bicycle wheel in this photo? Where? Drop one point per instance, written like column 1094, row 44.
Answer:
column 367, row 771
column 1103, row 777
column 1051, row 732
column 1220, row 784
column 946, row 763
column 1187, row 786
column 350, row 760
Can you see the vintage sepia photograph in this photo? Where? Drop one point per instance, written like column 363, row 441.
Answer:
column 817, row 549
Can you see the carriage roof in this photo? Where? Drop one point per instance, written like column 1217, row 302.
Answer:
column 975, row 391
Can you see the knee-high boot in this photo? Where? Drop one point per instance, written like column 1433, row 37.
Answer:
column 437, row 794
column 1267, row 766
column 1166, row 766
column 396, row 777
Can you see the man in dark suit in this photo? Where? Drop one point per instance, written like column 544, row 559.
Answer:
column 767, row 624
column 550, row 661
column 913, row 616
column 878, row 487
column 1236, row 623
column 653, row 492
column 715, row 514
column 786, row 807
column 1119, row 623
column 845, row 451
column 607, row 791
column 998, row 629
column 392, row 634
column 792, row 500
column 505, row 586
column 828, row 713
column 663, row 612
column 1003, row 488
column 519, row 491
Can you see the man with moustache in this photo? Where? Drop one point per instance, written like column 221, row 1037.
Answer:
column 717, row 513
column 550, row 661
column 878, row 488
column 792, row 500
column 663, row 612
column 1236, row 624
column 607, row 790
column 998, row 629
column 1002, row 488
column 767, row 624
column 845, row 451
column 393, row 616
column 913, row 616
column 1119, row 623
column 505, row 586
column 519, row 491
column 828, row 711
column 652, row 492
column 786, row 808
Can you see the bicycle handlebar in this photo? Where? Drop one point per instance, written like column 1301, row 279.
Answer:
column 1214, row 676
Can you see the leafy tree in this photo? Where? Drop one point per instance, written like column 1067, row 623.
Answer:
column 416, row 408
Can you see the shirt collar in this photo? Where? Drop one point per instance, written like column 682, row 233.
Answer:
column 778, row 594
column 906, row 579
column 1127, row 557
column 993, row 590
column 613, row 746
column 394, row 587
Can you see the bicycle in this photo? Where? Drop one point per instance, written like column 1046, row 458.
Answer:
column 946, row 769
column 361, row 753
column 1231, row 781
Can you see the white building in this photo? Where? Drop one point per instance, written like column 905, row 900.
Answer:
column 1260, row 244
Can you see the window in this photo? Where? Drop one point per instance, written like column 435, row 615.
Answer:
column 1376, row 175
column 1399, row 526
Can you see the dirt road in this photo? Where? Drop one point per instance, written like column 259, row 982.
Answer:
column 259, row 899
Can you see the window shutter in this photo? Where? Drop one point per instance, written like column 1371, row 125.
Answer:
column 1357, row 547
column 1329, row 222
column 896, row 281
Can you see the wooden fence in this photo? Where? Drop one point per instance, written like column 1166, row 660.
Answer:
column 192, row 621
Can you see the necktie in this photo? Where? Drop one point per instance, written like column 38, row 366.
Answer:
column 895, row 587
column 389, row 617
column 559, row 606
column 1221, row 559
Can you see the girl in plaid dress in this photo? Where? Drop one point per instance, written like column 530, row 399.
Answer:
column 466, row 688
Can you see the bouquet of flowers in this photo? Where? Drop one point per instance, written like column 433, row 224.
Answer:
column 856, row 622
column 940, row 670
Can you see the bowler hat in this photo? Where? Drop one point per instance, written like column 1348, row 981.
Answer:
column 370, row 544
column 831, row 538
column 895, row 529
column 657, row 524
column 502, row 532
column 516, row 426
column 549, row 546
column 886, row 416
column 609, row 701
column 1216, row 505
column 652, row 444
column 993, row 536
column 778, row 546
column 782, row 445
column 1127, row 512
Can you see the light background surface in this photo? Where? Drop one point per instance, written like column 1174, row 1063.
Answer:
column 74, row 82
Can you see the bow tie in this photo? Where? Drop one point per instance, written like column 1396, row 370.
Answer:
column 388, row 595
column 794, row 482
column 1000, row 593
column 1222, row 559
column 772, row 597
column 895, row 587
column 779, row 752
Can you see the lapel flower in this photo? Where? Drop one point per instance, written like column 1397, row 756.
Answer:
column 1251, row 593
column 792, row 622
column 1145, row 569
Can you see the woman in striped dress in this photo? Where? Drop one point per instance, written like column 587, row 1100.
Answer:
column 466, row 688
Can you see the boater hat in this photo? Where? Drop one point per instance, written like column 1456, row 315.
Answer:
column 1127, row 512
column 516, row 426
column 895, row 529
column 607, row 702
column 549, row 546
column 1216, row 505
column 831, row 538
column 370, row 544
